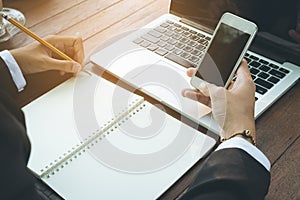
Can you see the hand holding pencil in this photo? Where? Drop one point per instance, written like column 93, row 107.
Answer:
column 62, row 53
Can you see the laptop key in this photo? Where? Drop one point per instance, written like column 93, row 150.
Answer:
column 248, row 60
column 152, row 47
column 264, row 68
column 176, row 36
column 254, row 71
column 277, row 73
column 284, row 70
column 188, row 48
column 179, row 60
column 164, row 38
column 185, row 55
column 161, row 44
column 263, row 75
column 150, row 38
column 177, row 51
column 194, row 37
column 193, row 32
column 155, row 33
column 161, row 51
column 187, row 34
column 179, row 45
column 196, row 52
column 273, row 79
column 200, row 47
column 260, row 90
column 160, row 29
column 169, row 47
column 263, row 62
column 177, row 25
column 192, row 43
column 194, row 59
column 172, row 41
column 185, row 28
column 145, row 44
column 184, row 40
column 273, row 66
column 200, row 35
column 138, row 40
column 263, row 83
column 254, row 64
column 164, row 25
column 254, row 57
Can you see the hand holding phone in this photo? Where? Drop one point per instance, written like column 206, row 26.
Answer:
column 231, row 39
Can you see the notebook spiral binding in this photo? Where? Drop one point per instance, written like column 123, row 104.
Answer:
column 95, row 137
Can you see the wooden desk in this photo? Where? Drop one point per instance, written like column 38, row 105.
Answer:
column 97, row 21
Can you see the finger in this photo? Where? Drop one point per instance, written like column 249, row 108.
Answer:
column 196, row 96
column 65, row 65
column 243, row 72
column 78, row 50
column 72, row 46
column 244, row 80
column 190, row 71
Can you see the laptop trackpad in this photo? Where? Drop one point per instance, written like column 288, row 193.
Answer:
column 166, row 82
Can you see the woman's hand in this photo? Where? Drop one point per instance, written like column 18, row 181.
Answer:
column 233, row 109
column 35, row 57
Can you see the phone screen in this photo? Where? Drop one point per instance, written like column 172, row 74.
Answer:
column 222, row 55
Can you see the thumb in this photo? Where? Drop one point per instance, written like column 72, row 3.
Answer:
column 66, row 66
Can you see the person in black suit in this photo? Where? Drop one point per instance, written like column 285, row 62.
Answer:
column 16, row 181
column 236, row 170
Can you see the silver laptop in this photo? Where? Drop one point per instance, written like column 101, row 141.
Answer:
column 155, row 57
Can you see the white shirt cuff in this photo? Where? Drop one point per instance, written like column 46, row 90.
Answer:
column 14, row 69
column 241, row 143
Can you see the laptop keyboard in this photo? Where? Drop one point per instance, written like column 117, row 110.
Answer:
column 175, row 42
column 264, row 73
column 186, row 47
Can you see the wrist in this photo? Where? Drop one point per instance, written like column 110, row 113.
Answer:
column 246, row 134
column 238, row 125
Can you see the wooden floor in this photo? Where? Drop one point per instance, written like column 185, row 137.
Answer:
column 278, row 129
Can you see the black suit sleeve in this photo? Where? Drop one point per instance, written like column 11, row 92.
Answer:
column 16, row 181
column 6, row 82
column 230, row 174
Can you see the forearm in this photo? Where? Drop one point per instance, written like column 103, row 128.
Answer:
column 230, row 174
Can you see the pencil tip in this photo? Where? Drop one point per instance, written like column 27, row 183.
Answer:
column 86, row 71
column 3, row 15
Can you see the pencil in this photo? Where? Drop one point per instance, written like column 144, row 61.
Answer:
column 39, row 39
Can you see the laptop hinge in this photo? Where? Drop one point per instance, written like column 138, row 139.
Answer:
column 197, row 26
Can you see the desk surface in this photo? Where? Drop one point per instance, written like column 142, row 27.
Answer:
column 97, row 21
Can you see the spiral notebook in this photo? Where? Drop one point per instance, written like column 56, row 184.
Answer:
column 92, row 139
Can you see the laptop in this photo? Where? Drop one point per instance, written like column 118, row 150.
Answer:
column 154, row 58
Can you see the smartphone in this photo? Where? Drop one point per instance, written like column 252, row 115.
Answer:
column 231, row 39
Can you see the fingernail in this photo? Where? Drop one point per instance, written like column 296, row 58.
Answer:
column 76, row 67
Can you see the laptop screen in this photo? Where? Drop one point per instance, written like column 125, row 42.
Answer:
column 273, row 17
